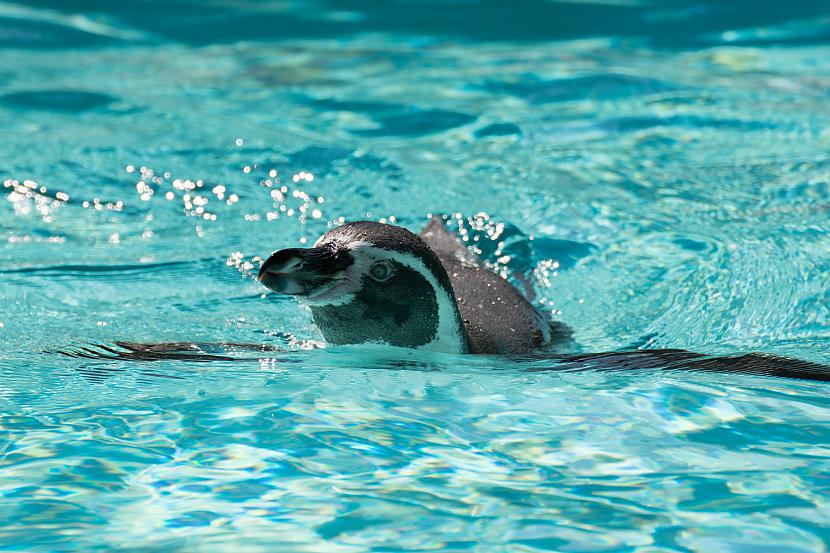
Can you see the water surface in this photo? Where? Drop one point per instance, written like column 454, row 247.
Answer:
column 660, row 172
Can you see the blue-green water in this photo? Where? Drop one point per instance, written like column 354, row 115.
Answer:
column 660, row 171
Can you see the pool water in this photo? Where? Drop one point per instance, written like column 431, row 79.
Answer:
column 661, row 172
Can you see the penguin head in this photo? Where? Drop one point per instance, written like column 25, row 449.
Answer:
column 372, row 282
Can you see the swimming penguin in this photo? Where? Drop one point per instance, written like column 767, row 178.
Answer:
column 373, row 282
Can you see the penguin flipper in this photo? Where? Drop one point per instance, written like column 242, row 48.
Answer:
column 163, row 351
column 757, row 364
column 445, row 244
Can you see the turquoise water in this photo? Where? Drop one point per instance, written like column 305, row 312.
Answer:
column 661, row 172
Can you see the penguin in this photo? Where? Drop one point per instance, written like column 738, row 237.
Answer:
column 369, row 282
column 373, row 282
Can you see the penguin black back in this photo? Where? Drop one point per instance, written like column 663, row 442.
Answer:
column 497, row 317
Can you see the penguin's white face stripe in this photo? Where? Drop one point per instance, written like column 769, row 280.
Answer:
column 447, row 337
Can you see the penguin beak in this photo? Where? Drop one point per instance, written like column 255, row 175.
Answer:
column 303, row 271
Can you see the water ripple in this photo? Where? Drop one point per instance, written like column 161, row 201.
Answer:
column 655, row 178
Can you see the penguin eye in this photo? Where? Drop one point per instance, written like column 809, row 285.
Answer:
column 381, row 271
